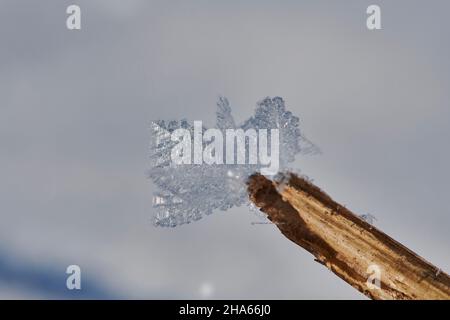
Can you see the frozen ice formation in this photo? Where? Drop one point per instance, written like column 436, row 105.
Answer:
column 369, row 218
column 188, row 192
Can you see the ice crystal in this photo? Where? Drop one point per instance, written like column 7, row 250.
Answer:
column 369, row 218
column 188, row 192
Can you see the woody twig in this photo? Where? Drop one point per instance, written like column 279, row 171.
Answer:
column 346, row 244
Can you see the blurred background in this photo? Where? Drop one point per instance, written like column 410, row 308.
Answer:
column 75, row 108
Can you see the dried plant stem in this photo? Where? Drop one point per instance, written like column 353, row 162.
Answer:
column 346, row 244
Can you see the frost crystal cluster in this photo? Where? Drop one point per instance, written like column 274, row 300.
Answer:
column 188, row 192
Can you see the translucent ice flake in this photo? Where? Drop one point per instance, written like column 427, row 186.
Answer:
column 186, row 192
column 369, row 218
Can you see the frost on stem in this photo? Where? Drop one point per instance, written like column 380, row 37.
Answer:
column 369, row 218
column 189, row 191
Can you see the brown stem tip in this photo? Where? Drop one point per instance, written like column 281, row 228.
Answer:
column 360, row 254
